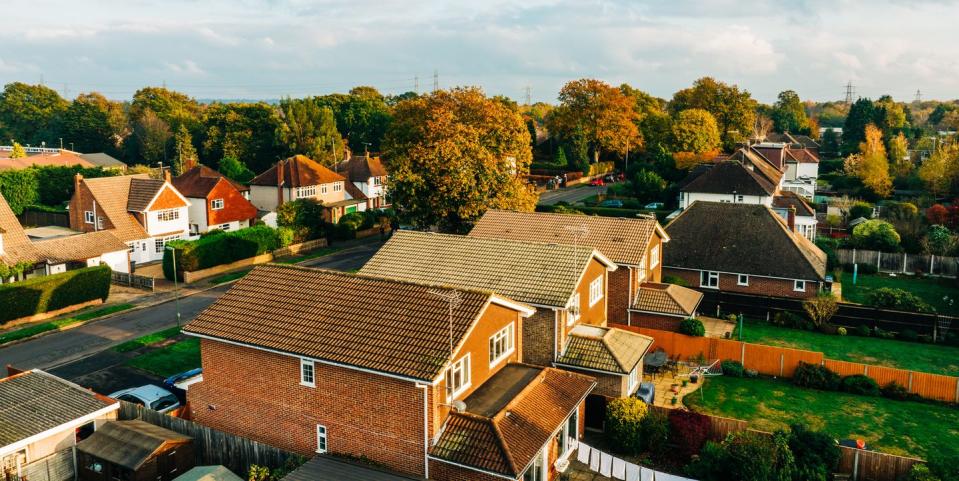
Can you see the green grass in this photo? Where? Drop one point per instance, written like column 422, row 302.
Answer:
column 898, row 427
column 930, row 289
column 932, row 358
column 169, row 360
column 312, row 255
column 60, row 323
column 229, row 277
column 148, row 339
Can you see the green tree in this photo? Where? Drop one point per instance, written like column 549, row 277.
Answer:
column 151, row 134
column 174, row 108
column 560, row 157
column 362, row 117
column 789, row 114
column 94, row 124
column 236, row 170
column 307, row 127
column 890, row 116
column 899, row 156
column 939, row 240
column 597, row 113
column 655, row 124
column 830, row 142
column 861, row 114
column 733, row 109
column 746, row 456
column 939, row 169
column 624, row 424
column 877, row 235
column 304, row 217
column 244, row 131
column 18, row 152
column 695, row 131
column 186, row 157
column 648, row 186
column 816, row 453
column 31, row 113
column 454, row 154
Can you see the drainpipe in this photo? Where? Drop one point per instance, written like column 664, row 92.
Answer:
column 426, row 430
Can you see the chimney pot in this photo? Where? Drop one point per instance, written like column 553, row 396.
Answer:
column 791, row 218
column 279, row 183
column 166, row 175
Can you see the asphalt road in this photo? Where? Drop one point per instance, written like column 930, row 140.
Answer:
column 569, row 194
column 64, row 348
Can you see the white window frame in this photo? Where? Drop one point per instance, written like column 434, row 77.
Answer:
column 596, row 291
column 216, row 204
column 323, row 189
column 642, row 269
column 796, row 286
column 377, row 181
column 633, row 382
column 739, row 199
column 160, row 243
column 322, row 439
column 575, row 309
column 88, row 216
column 307, row 373
column 506, row 336
column 742, row 279
column 305, row 192
column 654, row 257
column 337, row 186
column 464, row 366
column 168, row 215
column 706, row 278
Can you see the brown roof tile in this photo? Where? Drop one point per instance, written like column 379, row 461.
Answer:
column 80, row 247
column 142, row 192
column 361, row 167
column 604, row 349
column 803, row 156
column 200, row 180
column 16, row 245
column 667, row 299
column 729, row 177
column 381, row 324
column 298, row 171
column 62, row 159
column 788, row 199
column 623, row 240
column 111, row 194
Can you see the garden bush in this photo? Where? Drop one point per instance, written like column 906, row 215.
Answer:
column 624, row 420
column 921, row 472
column 795, row 321
column 655, row 433
column 860, row 209
column 732, row 368
column 689, row 432
column 898, row 299
column 746, row 456
column 908, row 335
column 897, row 391
column 48, row 293
column 692, row 327
column 305, row 217
column 876, row 235
column 815, row 453
column 815, row 376
column 679, row 281
column 863, row 330
column 841, row 331
column 860, row 384
column 221, row 247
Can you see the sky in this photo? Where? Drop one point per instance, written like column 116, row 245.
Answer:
column 267, row 49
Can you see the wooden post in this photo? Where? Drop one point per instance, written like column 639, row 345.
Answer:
column 782, row 358
column 854, row 256
column 957, row 391
column 904, row 257
column 910, row 382
column 742, row 356
column 865, row 370
column 878, row 261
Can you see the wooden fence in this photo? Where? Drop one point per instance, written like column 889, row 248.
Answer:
column 782, row 362
column 133, row 280
column 39, row 218
column 901, row 262
column 213, row 447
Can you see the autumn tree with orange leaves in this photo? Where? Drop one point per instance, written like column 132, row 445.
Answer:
column 871, row 165
column 598, row 112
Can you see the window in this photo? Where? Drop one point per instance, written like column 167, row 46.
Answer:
column 307, row 373
column 633, row 379
column 799, row 286
column 216, row 204
column 642, row 269
column 739, row 198
column 596, row 290
column 574, row 308
column 458, row 377
column 88, row 216
column 709, row 279
column 654, row 257
column 377, row 181
column 337, row 186
column 536, row 471
column 168, row 215
column 742, row 280
column 225, row 227
column 320, row 438
column 83, row 432
column 161, row 242
column 566, row 436
column 323, row 189
column 164, row 403
column 501, row 345
column 304, row 192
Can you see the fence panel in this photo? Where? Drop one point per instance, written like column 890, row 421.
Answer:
column 879, row 466
column 792, row 358
column 844, row 368
column 898, row 262
column 885, row 375
column 892, row 262
column 727, row 349
column 133, row 280
column 764, row 359
column 936, row 386
column 55, row 467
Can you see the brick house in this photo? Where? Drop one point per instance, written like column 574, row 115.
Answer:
column 367, row 174
column 379, row 368
column 635, row 245
column 143, row 213
column 743, row 248
column 216, row 202
column 300, row 177
column 568, row 285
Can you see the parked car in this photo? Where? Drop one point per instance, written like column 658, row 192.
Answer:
column 153, row 397
column 654, row 205
column 611, row 203
column 646, row 392
column 178, row 384
column 597, row 181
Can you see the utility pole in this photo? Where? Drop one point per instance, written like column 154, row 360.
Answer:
column 850, row 92
column 918, row 96
column 529, row 95
column 416, row 84
column 436, row 80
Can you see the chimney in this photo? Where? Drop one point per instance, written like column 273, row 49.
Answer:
column 77, row 178
column 791, row 218
column 166, row 176
column 279, row 183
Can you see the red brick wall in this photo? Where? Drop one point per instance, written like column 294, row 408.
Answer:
column 82, row 201
column 539, row 336
column 235, row 206
column 619, row 294
column 168, row 199
column 608, row 385
column 763, row 286
column 652, row 321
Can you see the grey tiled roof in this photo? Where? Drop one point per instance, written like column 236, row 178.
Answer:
column 667, row 299
column 604, row 349
column 543, row 274
column 34, row 401
column 324, row 467
column 142, row 191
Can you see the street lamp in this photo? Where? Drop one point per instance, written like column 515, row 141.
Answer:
column 176, row 286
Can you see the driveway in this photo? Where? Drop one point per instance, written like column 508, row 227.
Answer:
column 570, row 194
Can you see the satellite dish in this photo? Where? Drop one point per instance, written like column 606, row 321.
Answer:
column 459, row 405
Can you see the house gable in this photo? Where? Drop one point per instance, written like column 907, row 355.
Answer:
column 235, row 206
column 167, row 198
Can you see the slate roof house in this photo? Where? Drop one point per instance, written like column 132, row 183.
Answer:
column 369, row 176
column 300, row 177
column 635, row 245
column 216, row 202
column 42, row 417
column 142, row 212
column 743, row 248
column 382, row 368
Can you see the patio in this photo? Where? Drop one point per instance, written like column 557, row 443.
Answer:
column 664, row 387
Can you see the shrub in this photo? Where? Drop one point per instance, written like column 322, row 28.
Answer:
column 860, row 384
column 897, row 391
column 816, row 453
column 690, row 430
column 898, row 299
column 816, row 377
column 877, row 235
column 655, row 433
column 304, row 216
column 692, row 327
column 863, row 330
column 679, row 281
column 789, row 319
column 841, row 331
column 624, row 419
column 48, row 293
column 220, row 247
column 908, row 335
column 732, row 368
column 921, row 472
column 821, row 308
column 746, row 456
column 860, row 209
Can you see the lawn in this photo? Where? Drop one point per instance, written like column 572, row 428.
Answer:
column 229, row 277
column 172, row 359
column 312, row 255
column 60, row 323
column 939, row 293
column 148, row 339
column 898, row 427
column 932, row 358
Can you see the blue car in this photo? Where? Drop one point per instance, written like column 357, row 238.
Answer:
column 646, row 392
column 611, row 203
column 179, row 383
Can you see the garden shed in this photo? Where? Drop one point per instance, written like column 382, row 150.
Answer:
column 134, row 451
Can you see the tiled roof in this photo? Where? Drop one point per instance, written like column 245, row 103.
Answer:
column 128, row 443
column 542, row 274
column 374, row 323
column 111, row 194
column 298, row 171
column 507, row 441
column 361, row 167
column 325, row 467
column 623, row 240
column 142, row 192
column 103, row 160
column 200, row 180
column 667, row 299
column 80, row 247
column 354, row 191
column 788, row 199
column 759, row 163
column 803, row 156
column 16, row 245
column 741, row 238
column 604, row 349
column 62, row 159
column 802, row 141
column 728, row 177
column 34, row 402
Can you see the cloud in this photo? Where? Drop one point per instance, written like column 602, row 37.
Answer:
column 185, row 67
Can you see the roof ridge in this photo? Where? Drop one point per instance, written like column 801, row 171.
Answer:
column 488, row 240
column 580, row 216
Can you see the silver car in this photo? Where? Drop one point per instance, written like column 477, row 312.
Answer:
column 153, row 397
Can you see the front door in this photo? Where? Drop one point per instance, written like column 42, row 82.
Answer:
column 595, row 412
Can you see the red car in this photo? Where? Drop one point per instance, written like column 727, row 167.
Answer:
column 597, row 181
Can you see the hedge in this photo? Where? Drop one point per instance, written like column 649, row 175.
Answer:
column 47, row 185
column 219, row 247
column 49, row 293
